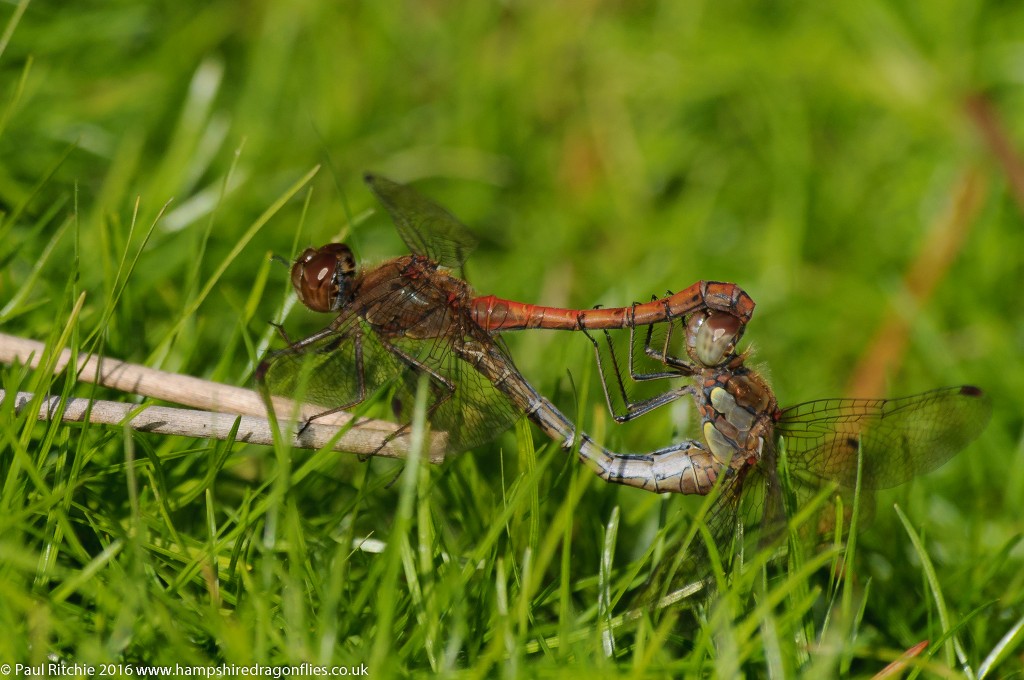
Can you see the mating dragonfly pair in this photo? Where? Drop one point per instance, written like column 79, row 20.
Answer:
column 411, row 317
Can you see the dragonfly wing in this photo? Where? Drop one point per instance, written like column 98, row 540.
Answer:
column 427, row 228
column 897, row 438
column 327, row 372
column 740, row 501
column 464, row 404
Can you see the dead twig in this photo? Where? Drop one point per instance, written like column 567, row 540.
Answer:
column 221, row 405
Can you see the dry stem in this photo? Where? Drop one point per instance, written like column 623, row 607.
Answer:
column 221, row 405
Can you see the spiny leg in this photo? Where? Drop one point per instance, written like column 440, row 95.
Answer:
column 442, row 387
column 613, row 374
column 663, row 355
column 360, row 370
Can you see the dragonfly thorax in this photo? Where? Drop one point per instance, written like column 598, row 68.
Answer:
column 737, row 412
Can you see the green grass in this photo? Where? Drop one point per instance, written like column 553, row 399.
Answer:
column 155, row 155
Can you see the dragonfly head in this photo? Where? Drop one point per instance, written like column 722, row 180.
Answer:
column 322, row 277
column 711, row 337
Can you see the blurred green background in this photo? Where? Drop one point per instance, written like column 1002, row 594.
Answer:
column 603, row 152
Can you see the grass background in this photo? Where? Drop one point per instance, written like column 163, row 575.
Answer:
column 603, row 152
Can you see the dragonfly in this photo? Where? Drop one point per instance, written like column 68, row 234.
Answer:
column 410, row 317
column 837, row 444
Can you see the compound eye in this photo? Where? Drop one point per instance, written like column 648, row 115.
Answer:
column 713, row 337
column 321, row 276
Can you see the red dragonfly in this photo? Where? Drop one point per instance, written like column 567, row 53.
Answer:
column 409, row 317
column 828, row 443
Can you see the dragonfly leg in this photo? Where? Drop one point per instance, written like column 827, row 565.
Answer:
column 303, row 346
column 360, row 371
column 300, row 347
column 664, row 355
column 292, row 348
column 613, row 376
column 667, row 317
column 678, row 367
column 281, row 331
column 442, row 388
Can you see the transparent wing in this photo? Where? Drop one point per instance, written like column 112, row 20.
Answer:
column 472, row 413
column 427, row 228
column 338, row 371
column 898, row 438
column 732, row 522
column 327, row 373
